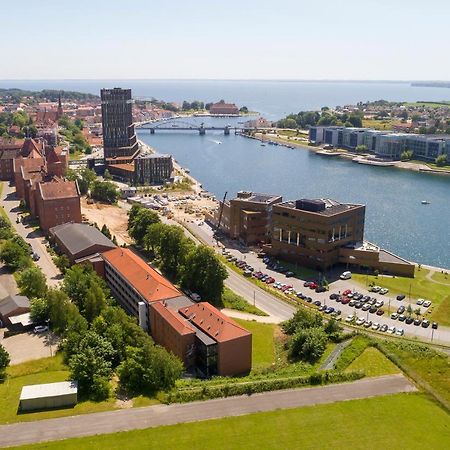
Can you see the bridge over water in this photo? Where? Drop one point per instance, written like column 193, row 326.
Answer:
column 152, row 127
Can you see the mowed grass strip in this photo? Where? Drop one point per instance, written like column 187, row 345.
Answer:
column 420, row 287
column 374, row 363
column 409, row 421
column 263, row 346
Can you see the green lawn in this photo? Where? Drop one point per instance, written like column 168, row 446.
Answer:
column 234, row 301
column 441, row 277
column 263, row 346
column 47, row 370
column 379, row 124
column 409, row 421
column 374, row 363
column 421, row 287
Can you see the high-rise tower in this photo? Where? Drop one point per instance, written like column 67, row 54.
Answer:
column 119, row 138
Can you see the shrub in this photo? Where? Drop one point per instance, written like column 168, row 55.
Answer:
column 4, row 362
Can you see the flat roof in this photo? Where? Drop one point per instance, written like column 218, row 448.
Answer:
column 332, row 207
column 24, row 319
column 257, row 197
column 48, row 390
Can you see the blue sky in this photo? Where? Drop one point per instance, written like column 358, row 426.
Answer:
column 234, row 39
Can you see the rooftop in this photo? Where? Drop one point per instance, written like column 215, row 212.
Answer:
column 332, row 207
column 48, row 390
column 212, row 322
column 12, row 302
column 80, row 236
column 257, row 197
column 147, row 281
column 58, row 189
column 176, row 321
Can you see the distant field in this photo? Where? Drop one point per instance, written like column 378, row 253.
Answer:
column 406, row 421
column 379, row 124
column 429, row 104
column 421, row 287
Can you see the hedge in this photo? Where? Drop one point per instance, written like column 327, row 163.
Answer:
column 232, row 389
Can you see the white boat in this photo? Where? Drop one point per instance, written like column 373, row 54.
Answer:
column 425, row 202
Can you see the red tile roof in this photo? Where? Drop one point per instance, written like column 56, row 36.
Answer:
column 173, row 319
column 58, row 189
column 212, row 322
column 31, row 149
column 146, row 280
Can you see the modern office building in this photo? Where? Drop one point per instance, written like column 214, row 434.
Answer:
column 153, row 169
column 385, row 144
column 201, row 336
column 119, row 137
column 322, row 233
column 247, row 217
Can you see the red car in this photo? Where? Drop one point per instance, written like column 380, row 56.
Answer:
column 270, row 280
column 345, row 300
column 348, row 291
column 313, row 285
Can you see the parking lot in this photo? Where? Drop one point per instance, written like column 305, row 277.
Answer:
column 28, row 346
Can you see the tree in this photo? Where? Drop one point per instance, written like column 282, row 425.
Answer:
column 139, row 222
column 407, row 155
column 86, row 178
column 287, row 123
column 173, row 249
column 39, row 311
column 62, row 262
column 59, row 309
column 148, row 369
column 361, row 148
column 14, row 256
column 91, row 365
column 244, row 110
column 152, row 238
column 202, row 272
column 418, row 312
column 32, row 283
column 409, row 310
column 308, row 344
column 105, row 231
column 107, row 175
column 105, row 192
column 302, row 319
column 355, row 119
column 4, row 362
column 441, row 160
column 94, row 302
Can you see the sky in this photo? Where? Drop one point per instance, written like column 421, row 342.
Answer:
column 230, row 39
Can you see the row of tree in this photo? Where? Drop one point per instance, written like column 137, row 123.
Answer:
column 305, row 119
column 195, row 267
column 20, row 119
column 72, row 132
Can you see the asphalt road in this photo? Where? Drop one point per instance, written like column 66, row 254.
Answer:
column 154, row 416
column 10, row 204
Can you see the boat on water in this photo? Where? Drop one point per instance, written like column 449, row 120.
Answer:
column 425, row 202
column 262, row 144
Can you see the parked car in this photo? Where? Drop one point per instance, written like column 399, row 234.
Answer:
column 417, row 322
column 352, row 303
column 375, row 326
column 40, row 329
column 320, row 289
column 196, row 297
column 409, row 320
column 379, row 303
column 345, row 300
column 317, row 303
column 425, row 323
column 383, row 328
column 346, row 275
column 384, row 291
column 426, row 303
column 400, row 297
column 401, row 309
column 376, row 289
column 391, row 330
column 346, row 292
column 289, row 274
column 402, row 317
column 313, row 285
column 247, row 273
column 307, row 283
column 373, row 309
column 380, row 312
column 434, row 325
column 394, row 316
column 36, row 257
column 349, row 318
column 367, row 323
column 359, row 305
column 366, row 307
column 420, row 301
column 400, row 332
column 360, row 321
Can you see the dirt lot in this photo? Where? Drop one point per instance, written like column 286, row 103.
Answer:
column 28, row 346
column 114, row 217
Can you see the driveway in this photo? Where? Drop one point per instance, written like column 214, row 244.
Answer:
column 35, row 237
column 154, row 416
column 28, row 346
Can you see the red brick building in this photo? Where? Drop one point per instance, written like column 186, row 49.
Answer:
column 224, row 109
column 200, row 335
column 57, row 202
column 9, row 150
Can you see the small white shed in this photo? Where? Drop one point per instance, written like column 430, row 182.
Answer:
column 47, row 396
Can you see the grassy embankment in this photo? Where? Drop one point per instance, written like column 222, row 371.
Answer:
column 379, row 124
column 47, row 370
column 234, row 301
column 394, row 421
column 420, row 287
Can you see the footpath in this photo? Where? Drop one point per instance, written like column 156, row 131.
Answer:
column 159, row 415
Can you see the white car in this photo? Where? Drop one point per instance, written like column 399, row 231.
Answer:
column 346, row 275
column 400, row 332
column 375, row 326
column 384, row 291
column 349, row 318
column 196, row 297
column 391, row 330
column 379, row 304
column 40, row 329
column 420, row 301
column 376, row 289
column 426, row 303
column 360, row 321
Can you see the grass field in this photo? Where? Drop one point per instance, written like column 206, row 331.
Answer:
column 234, row 301
column 441, row 277
column 420, row 286
column 374, row 363
column 263, row 347
column 409, row 421
column 379, row 124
